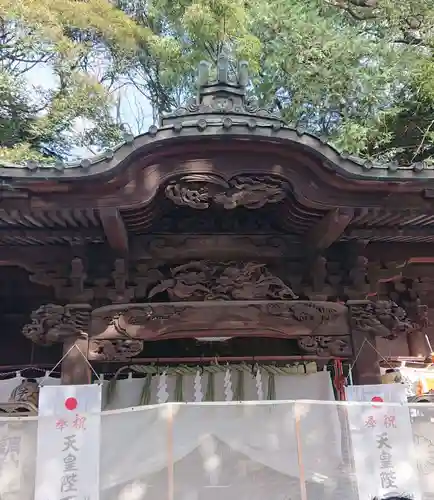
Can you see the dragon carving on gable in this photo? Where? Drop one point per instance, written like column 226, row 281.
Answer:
column 200, row 191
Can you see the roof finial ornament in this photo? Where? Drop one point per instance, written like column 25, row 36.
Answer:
column 203, row 73
column 223, row 77
column 223, row 66
column 243, row 73
column 222, row 99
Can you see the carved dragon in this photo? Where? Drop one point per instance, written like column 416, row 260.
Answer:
column 326, row 345
column 383, row 318
column 204, row 280
column 53, row 323
column 199, row 191
column 114, row 350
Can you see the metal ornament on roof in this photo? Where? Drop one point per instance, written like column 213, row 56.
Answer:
column 222, row 98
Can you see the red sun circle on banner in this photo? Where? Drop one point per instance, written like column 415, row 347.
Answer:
column 71, row 404
column 377, row 399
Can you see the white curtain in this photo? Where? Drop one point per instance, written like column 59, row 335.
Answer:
column 220, row 449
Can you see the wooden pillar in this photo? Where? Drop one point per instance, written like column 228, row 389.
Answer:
column 75, row 366
column 417, row 344
column 366, row 368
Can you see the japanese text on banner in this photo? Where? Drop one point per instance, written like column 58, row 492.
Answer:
column 382, row 442
column 72, row 436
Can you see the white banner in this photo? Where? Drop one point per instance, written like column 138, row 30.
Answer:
column 382, row 442
column 11, row 448
column 68, row 442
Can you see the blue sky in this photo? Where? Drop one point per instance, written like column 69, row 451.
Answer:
column 134, row 110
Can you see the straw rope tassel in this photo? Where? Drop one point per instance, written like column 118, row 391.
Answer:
column 271, row 390
column 209, row 396
column 145, row 396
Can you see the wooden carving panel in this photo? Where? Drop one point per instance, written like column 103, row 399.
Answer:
column 284, row 319
column 200, row 191
column 324, row 345
column 204, row 280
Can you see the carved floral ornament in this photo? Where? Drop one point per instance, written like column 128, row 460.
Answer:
column 200, row 191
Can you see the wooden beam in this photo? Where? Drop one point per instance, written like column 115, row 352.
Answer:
column 114, row 229
column 329, row 229
column 43, row 234
column 391, row 232
column 399, row 252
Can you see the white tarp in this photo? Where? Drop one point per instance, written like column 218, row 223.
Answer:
column 68, row 443
column 214, row 451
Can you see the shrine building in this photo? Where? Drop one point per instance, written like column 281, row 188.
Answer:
column 221, row 236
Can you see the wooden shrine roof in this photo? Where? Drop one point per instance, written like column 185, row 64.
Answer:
column 216, row 152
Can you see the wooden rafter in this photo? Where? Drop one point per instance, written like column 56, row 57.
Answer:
column 329, row 229
column 114, row 229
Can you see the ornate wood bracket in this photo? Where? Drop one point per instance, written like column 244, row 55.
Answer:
column 370, row 320
column 52, row 323
column 200, row 191
column 383, row 318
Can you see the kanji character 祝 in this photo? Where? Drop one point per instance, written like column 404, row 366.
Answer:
column 390, row 421
column 79, row 422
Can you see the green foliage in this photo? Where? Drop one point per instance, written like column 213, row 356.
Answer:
column 349, row 70
column 359, row 73
column 43, row 40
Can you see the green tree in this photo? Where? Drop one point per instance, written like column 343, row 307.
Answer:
column 357, row 72
column 59, row 41
column 350, row 71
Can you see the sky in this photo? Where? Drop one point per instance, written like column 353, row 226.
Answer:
column 135, row 109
